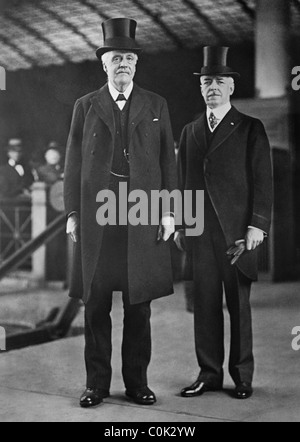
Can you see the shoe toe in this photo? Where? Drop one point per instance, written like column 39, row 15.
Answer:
column 91, row 398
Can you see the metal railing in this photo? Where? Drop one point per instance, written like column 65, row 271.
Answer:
column 15, row 226
column 58, row 323
column 20, row 256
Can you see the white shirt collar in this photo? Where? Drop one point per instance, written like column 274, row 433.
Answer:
column 220, row 113
column 18, row 167
column 12, row 162
column 114, row 93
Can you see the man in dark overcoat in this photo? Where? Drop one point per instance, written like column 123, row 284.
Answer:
column 226, row 154
column 16, row 176
column 120, row 135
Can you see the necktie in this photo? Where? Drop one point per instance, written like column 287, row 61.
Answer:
column 213, row 121
column 121, row 97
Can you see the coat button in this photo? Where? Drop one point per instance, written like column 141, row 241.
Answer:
column 95, row 135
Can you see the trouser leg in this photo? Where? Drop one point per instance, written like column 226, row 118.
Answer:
column 136, row 349
column 209, row 318
column 98, row 338
column 241, row 364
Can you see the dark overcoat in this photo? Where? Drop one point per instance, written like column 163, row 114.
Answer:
column 11, row 183
column 89, row 159
column 236, row 172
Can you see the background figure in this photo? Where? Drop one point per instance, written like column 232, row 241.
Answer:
column 16, row 176
column 52, row 170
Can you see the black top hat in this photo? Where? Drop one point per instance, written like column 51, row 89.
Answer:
column 119, row 35
column 215, row 62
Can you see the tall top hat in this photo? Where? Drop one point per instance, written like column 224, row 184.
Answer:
column 119, row 35
column 215, row 62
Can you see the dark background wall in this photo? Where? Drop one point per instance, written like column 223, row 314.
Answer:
column 37, row 105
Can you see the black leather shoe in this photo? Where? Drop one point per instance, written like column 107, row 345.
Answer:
column 92, row 398
column 144, row 396
column 199, row 388
column 243, row 391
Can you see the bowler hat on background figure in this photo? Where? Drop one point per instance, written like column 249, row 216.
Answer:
column 119, row 35
column 15, row 145
column 215, row 62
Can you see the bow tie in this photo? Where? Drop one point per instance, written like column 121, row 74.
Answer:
column 213, row 121
column 121, row 97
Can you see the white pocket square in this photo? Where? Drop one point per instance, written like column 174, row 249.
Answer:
column 155, row 120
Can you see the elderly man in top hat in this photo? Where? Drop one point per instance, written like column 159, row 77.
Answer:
column 120, row 134
column 227, row 154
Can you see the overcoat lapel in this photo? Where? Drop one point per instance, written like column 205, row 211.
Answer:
column 139, row 106
column 227, row 127
column 199, row 133
column 102, row 104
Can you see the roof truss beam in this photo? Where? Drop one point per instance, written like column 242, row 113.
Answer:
column 65, row 23
column 204, row 18
column 156, row 17
column 23, row 24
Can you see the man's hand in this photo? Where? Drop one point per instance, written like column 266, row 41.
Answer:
column 254, row 238
column 236, row 251
column 179, row 239
column 166, row 228
column 73, row 227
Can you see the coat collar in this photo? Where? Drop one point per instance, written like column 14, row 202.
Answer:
column 103, row 105
column 228, row 126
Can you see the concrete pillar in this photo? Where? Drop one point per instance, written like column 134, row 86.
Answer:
column 272, row 52
column 39, row 225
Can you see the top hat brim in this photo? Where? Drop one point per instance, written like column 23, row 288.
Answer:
column 104, row 50
column 206, row 71
column 118, row 44
column 18, row 149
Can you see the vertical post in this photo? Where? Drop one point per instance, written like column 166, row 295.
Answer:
column 39, row 224
column 272, row 48
column 273, row 80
